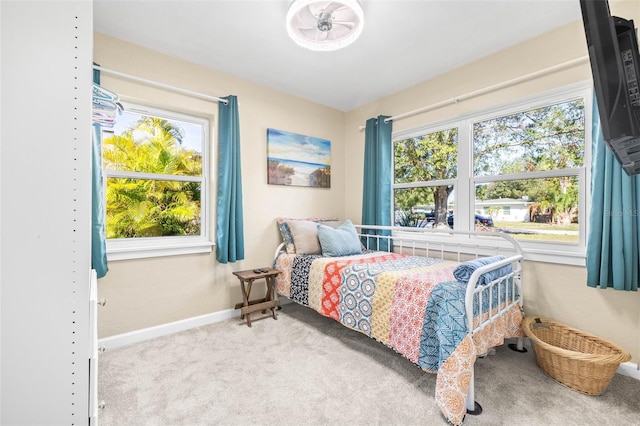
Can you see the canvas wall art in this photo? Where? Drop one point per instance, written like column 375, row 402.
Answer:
column 298, row 160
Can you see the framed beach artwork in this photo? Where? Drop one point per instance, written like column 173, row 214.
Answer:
column 298, row 160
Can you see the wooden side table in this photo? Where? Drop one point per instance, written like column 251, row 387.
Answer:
column 268, row 302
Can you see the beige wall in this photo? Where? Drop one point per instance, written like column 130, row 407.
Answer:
column 144, row 293
column 552, row 290
column 154, row 291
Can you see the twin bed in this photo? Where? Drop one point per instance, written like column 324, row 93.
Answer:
column 438, row 297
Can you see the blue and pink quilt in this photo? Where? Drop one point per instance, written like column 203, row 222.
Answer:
column 412, row 304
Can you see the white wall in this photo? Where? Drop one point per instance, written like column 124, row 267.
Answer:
column 45, row 211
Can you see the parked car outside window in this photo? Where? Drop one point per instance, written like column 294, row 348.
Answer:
column 481, row 219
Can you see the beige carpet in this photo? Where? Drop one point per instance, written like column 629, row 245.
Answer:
column 304, row 369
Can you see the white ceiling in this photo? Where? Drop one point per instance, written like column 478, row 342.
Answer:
column 403, row 42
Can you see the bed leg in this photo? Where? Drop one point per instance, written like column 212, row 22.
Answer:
column 518, row 347
column 473, row 408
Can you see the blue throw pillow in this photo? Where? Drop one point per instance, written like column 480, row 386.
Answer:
column 340, row 241
column 464, row 271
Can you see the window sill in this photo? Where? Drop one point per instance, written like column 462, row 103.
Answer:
column 563, row 257
column 126, row 250
column 568, row 254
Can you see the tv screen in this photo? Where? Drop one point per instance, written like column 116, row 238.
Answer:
column 615, row 65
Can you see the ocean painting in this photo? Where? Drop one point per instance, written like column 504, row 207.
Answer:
column 298, row 160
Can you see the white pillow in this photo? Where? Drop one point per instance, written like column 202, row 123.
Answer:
column 283, row 227
column 305, row 236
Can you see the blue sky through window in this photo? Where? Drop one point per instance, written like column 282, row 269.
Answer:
column 192, row 132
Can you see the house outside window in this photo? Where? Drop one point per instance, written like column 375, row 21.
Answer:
column 155, row 169
column 521, row 169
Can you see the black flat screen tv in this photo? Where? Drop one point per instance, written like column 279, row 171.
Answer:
column 615, row 65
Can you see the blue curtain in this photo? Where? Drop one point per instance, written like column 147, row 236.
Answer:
column 614, row 222
column 98, row 242
column 376, row 192
column 230, row 228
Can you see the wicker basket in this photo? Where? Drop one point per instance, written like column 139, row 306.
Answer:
column 579, row 360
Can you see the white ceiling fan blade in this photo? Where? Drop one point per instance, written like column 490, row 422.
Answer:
column 332, row 35
column 305, row 15
column 306, row 28
column 347, row 24
column 339, row 30
column 345, row 14
column 310, row 33
column 333, row 6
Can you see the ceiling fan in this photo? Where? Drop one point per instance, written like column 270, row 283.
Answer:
column 324, row 25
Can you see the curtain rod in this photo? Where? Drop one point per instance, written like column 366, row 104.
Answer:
column 161, row 85
column 489, row 89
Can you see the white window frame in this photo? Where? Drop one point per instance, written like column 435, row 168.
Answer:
column 464, row 183
column 138, row 248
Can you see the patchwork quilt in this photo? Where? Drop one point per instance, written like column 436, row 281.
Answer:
column 412, row 304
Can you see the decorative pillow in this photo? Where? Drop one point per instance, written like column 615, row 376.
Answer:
column 286, row 235
column 464, row 271
column 340, row 241
column 305, row 236
column 287, row 238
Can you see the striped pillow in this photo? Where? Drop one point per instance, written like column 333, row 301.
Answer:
column 340, row 241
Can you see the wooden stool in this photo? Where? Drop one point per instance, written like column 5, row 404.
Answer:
column 268, row 302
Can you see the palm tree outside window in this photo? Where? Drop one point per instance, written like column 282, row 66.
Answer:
column 155, row 163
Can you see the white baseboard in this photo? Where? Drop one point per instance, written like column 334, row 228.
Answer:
column 137, row 336
column 129, row 338
column 629, row 369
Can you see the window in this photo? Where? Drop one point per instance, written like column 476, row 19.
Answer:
column 521, row 169
column 534, row 155
column 155, row 167
column 425, row 169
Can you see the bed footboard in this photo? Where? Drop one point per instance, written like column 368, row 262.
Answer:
column 486, row 303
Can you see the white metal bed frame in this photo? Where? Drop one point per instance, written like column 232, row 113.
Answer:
column 460, row 246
